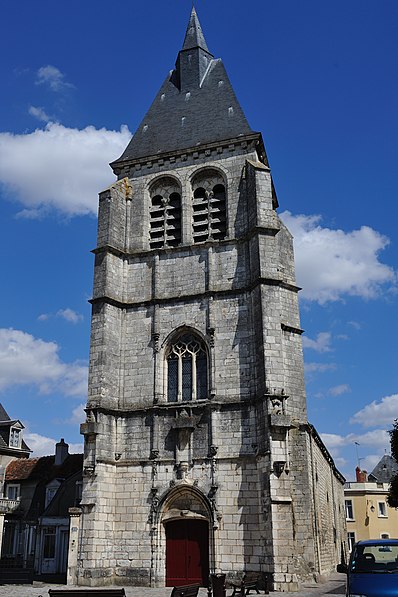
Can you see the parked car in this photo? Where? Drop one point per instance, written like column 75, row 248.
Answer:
column 373, row 569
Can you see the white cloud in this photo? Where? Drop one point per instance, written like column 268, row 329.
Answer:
column 39, row 113
column 44, row 316
column 318, row 367
column 64, row 168
column 333, row 440
column 355, row 324
column 53, row 77
column 78, row 415
column 378, row 413
column 333, row 263
column 320, row 344
column 378, row 441
column 67, row 314
column 338, row 390
column 70, row 315
column 25, row 360
column 45, row 446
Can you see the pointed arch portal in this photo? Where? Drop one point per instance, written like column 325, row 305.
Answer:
column 187, row 552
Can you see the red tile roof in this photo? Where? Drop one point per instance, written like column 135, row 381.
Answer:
column 20, row 469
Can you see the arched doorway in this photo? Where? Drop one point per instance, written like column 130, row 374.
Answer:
column 187, row 552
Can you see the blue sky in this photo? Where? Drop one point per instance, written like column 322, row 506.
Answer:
column 317, row 79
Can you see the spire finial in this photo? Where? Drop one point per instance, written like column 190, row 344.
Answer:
column 194, row 37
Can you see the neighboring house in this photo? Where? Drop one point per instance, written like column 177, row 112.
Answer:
column 12, row 447
column 12, row 444
column 36, row 533
column 368, row 515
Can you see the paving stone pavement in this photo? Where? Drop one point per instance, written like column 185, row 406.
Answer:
column 335, row 585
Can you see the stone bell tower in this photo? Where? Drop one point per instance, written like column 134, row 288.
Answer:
column 198, row 452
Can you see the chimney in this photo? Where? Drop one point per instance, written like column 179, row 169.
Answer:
column 61, row 452
column 362, row 476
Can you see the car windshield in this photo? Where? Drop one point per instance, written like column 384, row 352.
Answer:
column 375, row 558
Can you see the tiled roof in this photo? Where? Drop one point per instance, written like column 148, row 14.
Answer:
column 43, row 468
column 20, row 469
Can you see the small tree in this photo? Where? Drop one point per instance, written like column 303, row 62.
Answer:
column 392, row 498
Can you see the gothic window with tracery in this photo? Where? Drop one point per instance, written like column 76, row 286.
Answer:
column 165, row 214
column 187, row 369
column 209, row 207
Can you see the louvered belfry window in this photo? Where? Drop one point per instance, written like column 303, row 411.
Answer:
column 187, row 369
column 165, row 214
column 209, row 207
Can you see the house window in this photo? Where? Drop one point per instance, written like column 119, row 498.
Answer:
column 49, row 542
column 349, row 512
column 15, row 437
column 13, row 491
column 50, row 493
column 165, row 214
column 186, row 369
column 382, row 509
column 384, row 536
column 350, row 540
column 209, row 207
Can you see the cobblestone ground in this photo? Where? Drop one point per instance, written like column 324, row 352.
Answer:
column 334, row 586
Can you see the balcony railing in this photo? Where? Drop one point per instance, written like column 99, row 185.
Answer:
column 7, row 505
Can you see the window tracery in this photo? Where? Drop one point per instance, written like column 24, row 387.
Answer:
column 165, row 214
column 187, row 369
column 209, row 206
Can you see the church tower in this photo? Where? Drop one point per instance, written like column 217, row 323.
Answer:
column 198, row 453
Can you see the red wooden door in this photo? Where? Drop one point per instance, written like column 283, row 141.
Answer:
column 187, row 552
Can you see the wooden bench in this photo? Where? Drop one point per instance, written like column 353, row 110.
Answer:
column 250, row 580
column 185, row 591
column 87, row 592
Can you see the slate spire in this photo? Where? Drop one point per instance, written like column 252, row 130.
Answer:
column 196, row 104
column 194, row 37
column 194, row 57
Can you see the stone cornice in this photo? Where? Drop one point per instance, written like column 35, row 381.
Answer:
column 310, row 429
column 232, row 292
column 217, row 148
column 160, row 408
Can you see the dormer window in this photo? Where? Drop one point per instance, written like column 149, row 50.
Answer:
column 15, row 438
column 51, row 490
column 13, row 491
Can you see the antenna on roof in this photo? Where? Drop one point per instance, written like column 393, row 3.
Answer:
column 358, row 459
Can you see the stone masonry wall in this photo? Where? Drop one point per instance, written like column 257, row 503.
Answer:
column 240, row 460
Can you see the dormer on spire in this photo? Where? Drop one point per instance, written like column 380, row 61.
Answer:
column 194, row 37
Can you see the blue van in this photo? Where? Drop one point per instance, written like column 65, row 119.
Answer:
column 373, row 569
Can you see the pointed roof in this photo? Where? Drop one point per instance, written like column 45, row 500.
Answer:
column 196, row 104
column 3, row 414
column 384, row 470
column 194, row 37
